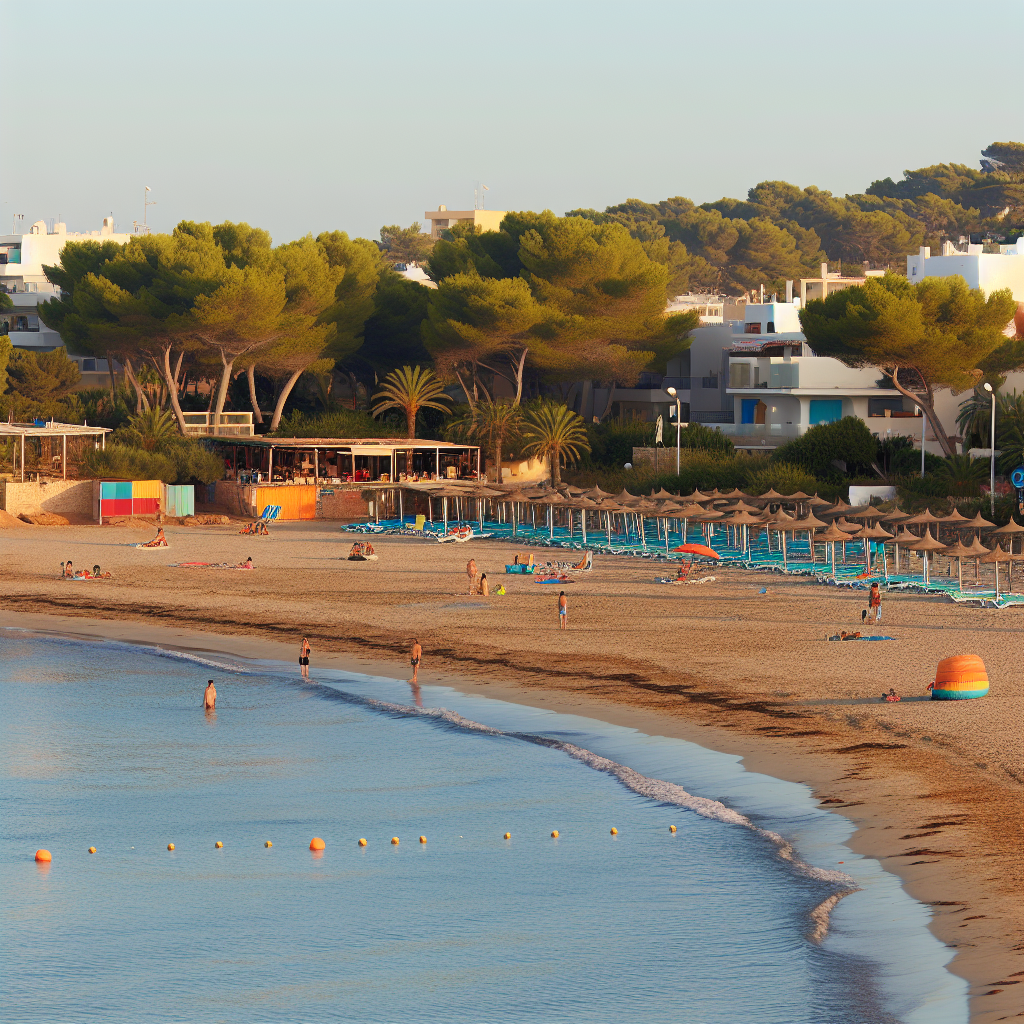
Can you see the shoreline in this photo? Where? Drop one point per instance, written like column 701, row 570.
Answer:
column 756, row 754
column 935, row 790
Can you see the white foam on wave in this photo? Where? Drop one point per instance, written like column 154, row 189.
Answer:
column 652, row 789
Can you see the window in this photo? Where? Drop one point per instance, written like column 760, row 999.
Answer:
column 739, row 375
column 751, row 328
column 710, row 382
column 89, row 365
column 826, row 410
column 784, row 375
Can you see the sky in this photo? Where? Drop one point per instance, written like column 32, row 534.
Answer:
column 310, row 116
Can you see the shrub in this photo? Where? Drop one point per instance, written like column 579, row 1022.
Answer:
column 786, row 479
column 123, row 462
column 612, row 442
column 701, row 437
column 847, row 440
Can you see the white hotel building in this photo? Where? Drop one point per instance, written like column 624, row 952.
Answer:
column 22, row 258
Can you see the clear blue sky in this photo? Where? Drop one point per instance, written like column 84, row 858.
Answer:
column 306, row 116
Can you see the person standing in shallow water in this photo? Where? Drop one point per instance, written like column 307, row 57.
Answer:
column 210, row 697
column 304, row 658
column 563, row 610
column 414, row 659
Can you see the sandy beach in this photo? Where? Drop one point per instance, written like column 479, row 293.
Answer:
column 934, row 788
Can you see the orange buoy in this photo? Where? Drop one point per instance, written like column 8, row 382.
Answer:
column 43, row 856
column 218, row 845
column 508, row 835
column 268, row 844
column 960, row 678
column 671, row 828
column 394, row 841
column 316, row 844
column 170, row 846
column 615, row 832
column 92, row 849
column 554, row 835
column 362, row 842
column 423, row 839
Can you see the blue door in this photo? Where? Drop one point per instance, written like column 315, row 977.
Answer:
column 823, row 410
column 748, row 409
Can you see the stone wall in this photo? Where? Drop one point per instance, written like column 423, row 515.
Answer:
column 62, row 497
column 335, row 503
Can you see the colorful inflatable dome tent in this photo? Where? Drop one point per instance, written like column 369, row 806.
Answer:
column 960, row 678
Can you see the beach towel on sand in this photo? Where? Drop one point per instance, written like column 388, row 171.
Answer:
column 209, row 565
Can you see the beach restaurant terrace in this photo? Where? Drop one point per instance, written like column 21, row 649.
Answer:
column 345, row 460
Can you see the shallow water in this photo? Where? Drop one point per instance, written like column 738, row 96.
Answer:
column 105, row 745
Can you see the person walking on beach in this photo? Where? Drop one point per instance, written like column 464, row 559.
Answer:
column 304, row 658
column 471, row 573
column 414, row 659
column 875, row 603
column 563, row 610
column 210, row 697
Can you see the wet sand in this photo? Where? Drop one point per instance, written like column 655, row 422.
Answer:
column 934, row 787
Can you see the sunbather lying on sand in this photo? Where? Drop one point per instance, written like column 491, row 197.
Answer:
column 843, row 635
column 159, row 541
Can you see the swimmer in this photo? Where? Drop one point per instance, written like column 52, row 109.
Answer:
column 210, row 697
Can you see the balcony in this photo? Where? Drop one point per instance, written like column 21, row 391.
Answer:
column 232, row 424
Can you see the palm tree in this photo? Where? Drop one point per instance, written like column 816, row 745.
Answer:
column 153, row 427
column 496, row 423
column 410, row 389
column 555, row 432
column 974, row 416
column 962, row 474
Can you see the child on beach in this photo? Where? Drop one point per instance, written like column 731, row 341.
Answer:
column 471, row 573
column 485, row 587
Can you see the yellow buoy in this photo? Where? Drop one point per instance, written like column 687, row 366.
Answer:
column 43, row 856
column 671, row 828
column 615, row 831
column 218, row 845
column 362, row 842
column 508, row 835
column 554, row 835
column 268, row 844
column 423, row 839
column 170, row 846
column 316, row 844
column 394, row 841
column 92, row 849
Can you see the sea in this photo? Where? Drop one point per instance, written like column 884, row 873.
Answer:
column 753, row 909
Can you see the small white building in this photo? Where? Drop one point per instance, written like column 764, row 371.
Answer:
column 22, row 258
column 989, row 271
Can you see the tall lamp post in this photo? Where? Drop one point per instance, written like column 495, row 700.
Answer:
column 992, row 453
column 679, row 417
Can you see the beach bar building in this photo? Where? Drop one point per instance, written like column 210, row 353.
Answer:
column 335, row 478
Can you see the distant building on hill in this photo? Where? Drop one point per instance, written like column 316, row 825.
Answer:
column 22, row 258
column 442, row 219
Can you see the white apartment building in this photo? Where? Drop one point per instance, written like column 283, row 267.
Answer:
column 989, row 271
column 22, row 258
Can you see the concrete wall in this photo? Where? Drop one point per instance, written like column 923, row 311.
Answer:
column 62, row 497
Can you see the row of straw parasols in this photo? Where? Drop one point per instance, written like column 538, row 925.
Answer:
column 824, row 521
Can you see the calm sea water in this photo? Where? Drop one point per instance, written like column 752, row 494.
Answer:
column 106, row 745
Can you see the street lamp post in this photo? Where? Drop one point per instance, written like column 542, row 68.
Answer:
column 992, row 453
column 679, row 417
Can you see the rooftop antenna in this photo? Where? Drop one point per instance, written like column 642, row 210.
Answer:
column 483, row 198
column 145, row 209
column 14, row 219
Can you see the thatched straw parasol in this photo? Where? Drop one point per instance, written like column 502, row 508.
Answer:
column 997, row 555
column 625, row 498
column 817, row 502
column 736, row 494
column 1010, row 530
column 959, row 552
column 596, row 493
column 867, row 512
column 978, row 523
column 845, row 526
column 695, row 497
column 926, row 544
column 897, row 515
column 770, row 495
column 740, row 506
column 830, row 536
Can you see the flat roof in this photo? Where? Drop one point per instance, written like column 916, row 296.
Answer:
column 383, row 443
column 51, row 430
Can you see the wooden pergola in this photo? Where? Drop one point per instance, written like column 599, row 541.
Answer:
column 50, row 431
